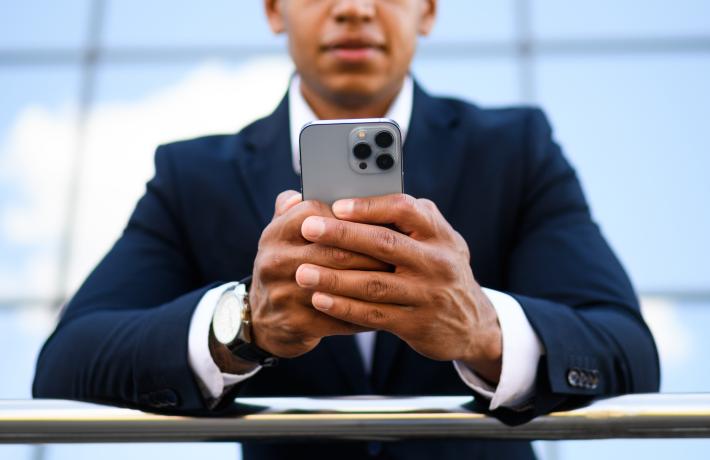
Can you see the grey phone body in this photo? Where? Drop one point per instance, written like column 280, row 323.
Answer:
column 330, row 168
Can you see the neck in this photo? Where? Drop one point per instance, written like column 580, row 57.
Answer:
column 338, row 106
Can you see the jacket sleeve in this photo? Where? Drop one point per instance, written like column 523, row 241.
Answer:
column 573, row 291
column 123, row 337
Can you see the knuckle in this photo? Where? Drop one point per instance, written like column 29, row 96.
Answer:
column 376, row 289
column 282, row 197
column 330, row 280
column 405, row 203
column 386, row 241
column 428, row 204
column 338, row 255
column 347, row 312
column 376, row 316
column 273, row 259
column 341, row 231
column 366, row 206
column 279, row 296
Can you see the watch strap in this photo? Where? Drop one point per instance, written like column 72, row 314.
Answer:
column 249, row 351
column 252, row 353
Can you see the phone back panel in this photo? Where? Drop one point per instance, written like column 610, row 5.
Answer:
column 331, row 171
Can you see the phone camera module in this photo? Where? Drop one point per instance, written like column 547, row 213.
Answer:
column 362, row 151
column 385, row 161
column 384, row 139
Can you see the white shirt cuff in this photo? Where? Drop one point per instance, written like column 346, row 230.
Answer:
column 521, row 352
column 211, row 380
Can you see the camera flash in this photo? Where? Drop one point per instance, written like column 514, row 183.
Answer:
column 361, row 134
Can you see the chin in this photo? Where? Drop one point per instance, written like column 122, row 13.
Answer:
column 356, row 86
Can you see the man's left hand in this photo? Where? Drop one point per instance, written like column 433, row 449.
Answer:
column 430, row 300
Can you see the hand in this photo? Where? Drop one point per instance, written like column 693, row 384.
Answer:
column 431, row 300
column 283, row 320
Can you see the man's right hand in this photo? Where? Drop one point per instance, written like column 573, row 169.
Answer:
column 284, row 321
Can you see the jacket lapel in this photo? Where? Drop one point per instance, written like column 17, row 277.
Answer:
column 265, row 163
column 431, row 154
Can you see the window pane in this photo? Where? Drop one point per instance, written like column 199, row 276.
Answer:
column 37, row 142
column 23, row 329
column 43, row 23
column 488, row 81
column 636, row 128
column 613, row 18
column 141, row 107
column 474, row 20
column 187, row 23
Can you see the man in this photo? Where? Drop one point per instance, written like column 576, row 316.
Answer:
column 380, row 295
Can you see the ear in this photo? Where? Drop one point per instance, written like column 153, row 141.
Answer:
column 427, row 16
column 275, row 15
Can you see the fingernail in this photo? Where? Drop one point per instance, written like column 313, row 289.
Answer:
column 313, row 227
column 343, row 207
column 307, row 276
column 322, row 301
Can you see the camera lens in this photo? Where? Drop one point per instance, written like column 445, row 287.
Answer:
column 385, row 161
column 362, row 151
column 384, row 139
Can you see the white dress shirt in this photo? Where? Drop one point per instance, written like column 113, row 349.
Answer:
column 521, row 346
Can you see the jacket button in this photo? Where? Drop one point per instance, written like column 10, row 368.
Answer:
column 163, row 398
column 594, row 380
column 573, row 377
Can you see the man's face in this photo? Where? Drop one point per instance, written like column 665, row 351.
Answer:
column 352, row 50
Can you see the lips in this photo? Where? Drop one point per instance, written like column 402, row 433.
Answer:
column 353, row 49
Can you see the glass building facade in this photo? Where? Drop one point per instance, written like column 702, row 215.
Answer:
column 91, row 87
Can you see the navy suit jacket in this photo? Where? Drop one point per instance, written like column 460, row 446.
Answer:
column 499, row 179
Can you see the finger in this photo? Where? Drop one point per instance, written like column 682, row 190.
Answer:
column 369, row 286
column 318, row 324
column 373, row 240
column 404, row 211
column 291, row 305
column 292, row 219
column 370, row 315
column 323, row 325
column 332, row 257
column 285, row 201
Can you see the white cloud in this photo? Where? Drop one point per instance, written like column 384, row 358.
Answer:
column 119, row 147
column 674, row 340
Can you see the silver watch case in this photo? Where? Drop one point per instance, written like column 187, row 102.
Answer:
column 228, row 320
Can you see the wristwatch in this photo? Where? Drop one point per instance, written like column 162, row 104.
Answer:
column 231, row 325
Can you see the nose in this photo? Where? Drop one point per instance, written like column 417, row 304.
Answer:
column 353, row 11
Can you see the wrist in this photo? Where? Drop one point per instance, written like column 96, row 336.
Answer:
column 485, row 355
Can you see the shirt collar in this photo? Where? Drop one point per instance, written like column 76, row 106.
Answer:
column 301, row 113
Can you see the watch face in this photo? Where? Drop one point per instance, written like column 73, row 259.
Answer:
column 227, row 319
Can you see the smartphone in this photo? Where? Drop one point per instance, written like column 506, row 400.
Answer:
column 350, row 159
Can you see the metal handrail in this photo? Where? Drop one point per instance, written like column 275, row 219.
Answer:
column 372, row 418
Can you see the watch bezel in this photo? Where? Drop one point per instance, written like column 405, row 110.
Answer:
column 229, row 310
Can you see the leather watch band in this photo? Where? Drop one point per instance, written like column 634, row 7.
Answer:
column 250, row 351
